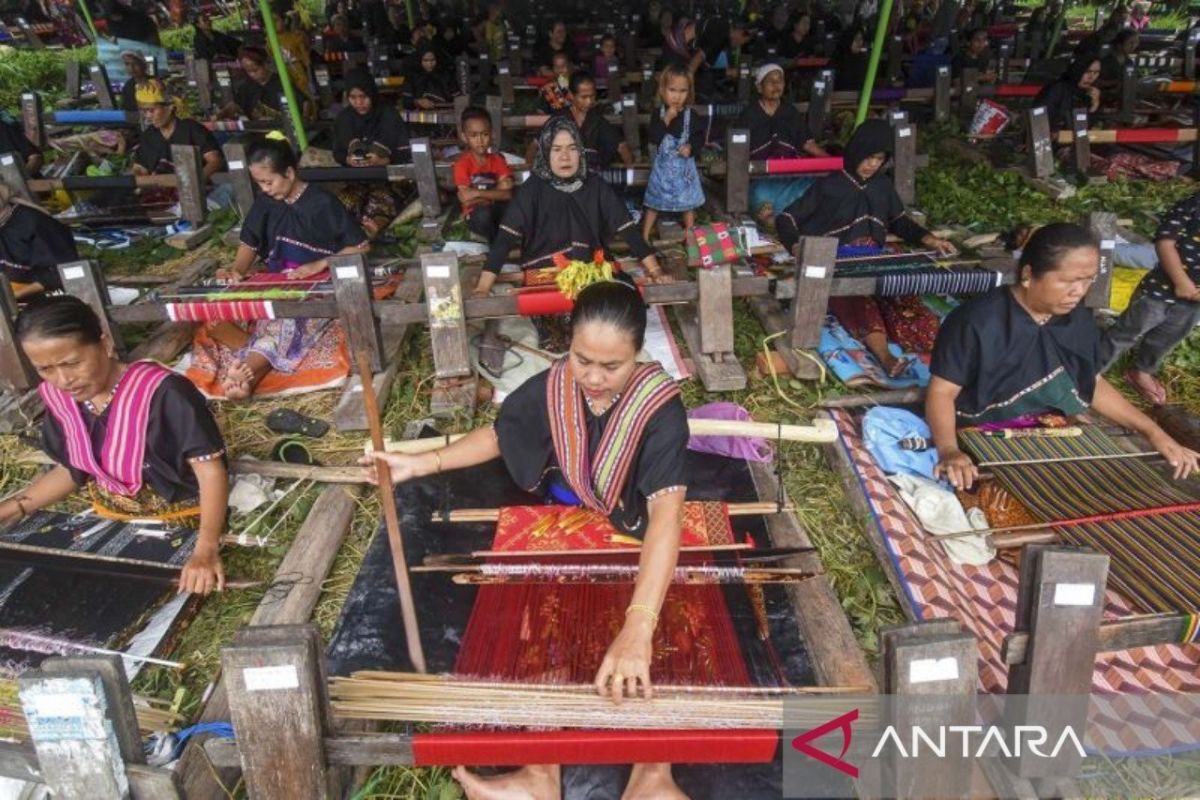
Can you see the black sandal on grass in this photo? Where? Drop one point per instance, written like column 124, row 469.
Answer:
column 292, row 450
column 286, row 420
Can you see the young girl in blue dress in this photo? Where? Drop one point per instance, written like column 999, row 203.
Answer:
column 678, row 132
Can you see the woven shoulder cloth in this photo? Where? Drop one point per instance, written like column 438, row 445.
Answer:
column 598, row 481
column 118, row 466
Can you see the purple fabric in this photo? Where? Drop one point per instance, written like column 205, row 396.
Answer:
column 747, row 449
column 1027, row 421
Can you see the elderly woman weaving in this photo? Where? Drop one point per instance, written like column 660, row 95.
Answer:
column 1018, row 353
column 598, row 430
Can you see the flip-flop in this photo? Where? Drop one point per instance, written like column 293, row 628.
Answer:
column 291, row 450
column 286, row 420
column 1156, row 396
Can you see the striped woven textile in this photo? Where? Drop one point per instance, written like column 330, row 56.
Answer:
column 224, row 311
column 1155, row 560
column 225, row 124
column 938, row 281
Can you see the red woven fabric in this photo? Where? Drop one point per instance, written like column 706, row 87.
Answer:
column 797, row 166
column 1017, row 90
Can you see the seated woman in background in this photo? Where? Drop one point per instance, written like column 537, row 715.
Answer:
column 556, row 41
column 138, row 436
column 850, row 61
column 135, row 66
column 1112, row 67
column 800, row 42
column 258, row 95
column 562, row 210
column 859, row 206
column 369, row 133
column 427, row 85
column 164, row 128
column 13, row 140
column 1020, row 352
column 603, row 143
column 293, row 228
column 975, row 55
column 32, row 245
column 777, row 130
column 209, row 44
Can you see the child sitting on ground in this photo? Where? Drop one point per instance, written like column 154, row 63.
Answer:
column 484, row 181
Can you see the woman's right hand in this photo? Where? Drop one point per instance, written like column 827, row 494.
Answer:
column 229, row 275
column 958, row 468
column 403, row 467
column 10, row 511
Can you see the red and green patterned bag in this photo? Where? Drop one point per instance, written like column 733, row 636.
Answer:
column 712, row 245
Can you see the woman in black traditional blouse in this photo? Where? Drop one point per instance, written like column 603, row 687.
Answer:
column 258, row 95
column 1017, row 353
column 427, row 85
column 599, row 386
column 138, row 436
column 32, row 245
column 562, row 210
column 369, row 133
column 1075, row 89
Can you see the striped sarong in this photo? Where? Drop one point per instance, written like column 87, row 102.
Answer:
column 1154, row 560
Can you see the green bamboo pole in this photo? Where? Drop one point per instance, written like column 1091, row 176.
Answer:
column 284, row 78
column 412, row 19
column 87, row 17
column 864, row 98
column 1058, row 27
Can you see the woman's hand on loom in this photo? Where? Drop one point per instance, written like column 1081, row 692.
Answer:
column 203, row 572
column 958, row 468
column 944, row 247
column 229, row 275
column 627, row 662
column 306, row 270
column 1182, row 460
column 403, row 467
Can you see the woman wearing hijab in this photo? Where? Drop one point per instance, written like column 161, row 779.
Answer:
column 859, row 206
column 32, row 245
column 427, row 85
column 369, row 133
column 850, row 61
column 258, row 95
column 777, row 130
column 563, row 210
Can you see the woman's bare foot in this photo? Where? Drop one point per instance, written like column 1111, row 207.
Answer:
column 652, row 782
column 237, row 381
column 537, row 782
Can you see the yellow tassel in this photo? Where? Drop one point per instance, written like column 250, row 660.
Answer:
column 578, row 275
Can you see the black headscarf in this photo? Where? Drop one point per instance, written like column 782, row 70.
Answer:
column 359, row 78
column 541, row 162
column 873, row 136
column 379, row 126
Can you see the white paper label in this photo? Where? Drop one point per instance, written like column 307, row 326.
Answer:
column 7, row 159
column 739, row 138
column 503, row 70
column 348, row 273
column 904, row 133
column 263, row 679
column 72, row 273
column 58, row 705
column 818, row 86
column 815, row 272
column 628, row 102
column 437, row 271
column 1074, row 594
column 237, row 165
column 1108, row 244
column 928, row 670
column 27, row 96
column 1037, row 112
column 419, row 147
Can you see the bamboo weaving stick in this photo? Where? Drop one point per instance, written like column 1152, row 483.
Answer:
column 408, row 607
column 455, row 681
column 1114, row 516
column 735, row 510
column 1105, row 457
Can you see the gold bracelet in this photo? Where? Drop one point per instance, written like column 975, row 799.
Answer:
column 21, row 506
column 437, row 457
column 644, row 608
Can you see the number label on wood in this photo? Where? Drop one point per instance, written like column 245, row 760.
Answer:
column 815, row 272
column 1074, row 594
column 262, row 679
column 929, row 670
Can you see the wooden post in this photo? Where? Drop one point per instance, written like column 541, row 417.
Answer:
column 454, row 389
column 931, row 674
column 629, row 54
column 820, row 103
column 289, row 127
column 1081, row 148
column 715, row 309
column 12, row 172
column 630, row 125
column 614, row 88
column 74, row 78
column 968, row 91
column 224, row 87
column 1060, row 603
column 895, row 54
column 280, row 712
column 505, row 81
column 941, row 95
column 1002, row 68
column 239, row 176
column 1037, row 40
column 31, row 118
column 352, row 292
column 1103, row 225
column 820, row 39
column 16, row 373
column 427, row 187
column 743, row 83
column 1129, row 88
column 34, row 40
column 1022, row 44
column 904, row 172
column 1191, row 42
column 737, row 172
column 516, row 60
column 1195, row 145
column 462, row 68
column 104, row 92
column 189, row 168
column 85, row 280
column 324, row 89
column 648, row 90
column 485, row 83
column 1041, row 149
column 815, row 258
column 202, row 75
column 495, row 108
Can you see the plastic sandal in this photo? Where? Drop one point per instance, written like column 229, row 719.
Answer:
column 286, row 420
column 292, row 450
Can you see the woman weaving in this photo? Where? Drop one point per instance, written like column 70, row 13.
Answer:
column 1017, row 354
column 139, row 437
column 600, row 430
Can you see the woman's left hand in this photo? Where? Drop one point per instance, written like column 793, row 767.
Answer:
column 944, row 247
column 1183, row 460
column 685, row 151
column 305, row 271
column 627, row 662
column 425, row 103
column 203, row 572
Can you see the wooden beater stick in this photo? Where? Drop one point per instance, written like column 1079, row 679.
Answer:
column 408, row 608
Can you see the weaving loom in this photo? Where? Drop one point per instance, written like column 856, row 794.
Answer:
column 984, row 598
column 96, row 602
column 915, row 273
column 522, row 631
column 254, row 297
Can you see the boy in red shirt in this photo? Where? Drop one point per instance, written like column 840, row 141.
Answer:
column 484, row 181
